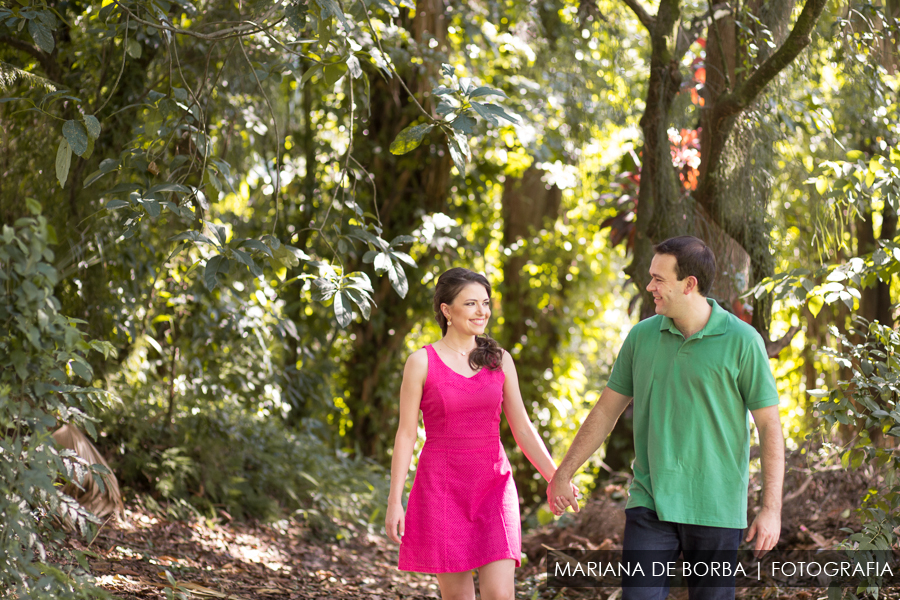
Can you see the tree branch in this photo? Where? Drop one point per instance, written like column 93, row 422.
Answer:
column 249, row 27
column 774, row 347
column 47, row 63
column 731, row 104
column 688, row 35
column 642, row 14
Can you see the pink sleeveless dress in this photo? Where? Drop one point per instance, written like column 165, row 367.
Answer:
column 463, row 509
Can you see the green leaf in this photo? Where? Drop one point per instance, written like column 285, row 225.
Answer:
column 151, row 206
column 93, row 177
column 221, row 233
column 41, row 36
column 325, row 289
column 309, row 74
column 82, row 369
column 354, row 66
column 63, row 162
column 382, row 262
column 333, row 8
column 493, row 113
column 464, row 123
column 243, row 257
column 361, row 300
column 114, row 204
column 486, row 91
column 214, row 266
column 410, row 138
column 398, row 279
column 342, row 309
column 133, row 48
column 257, row 245
column 109, row 164
column 456, row 153
column 169, row 187
column 403, row 257
column 835, row 593
column 76, row 135
column 333, row 73
column 402, row 239
column 93, row 126
column 445, row 108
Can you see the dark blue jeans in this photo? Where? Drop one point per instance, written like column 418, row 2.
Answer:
column 649, row 540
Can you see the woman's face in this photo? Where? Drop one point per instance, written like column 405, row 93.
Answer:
column 470, row 310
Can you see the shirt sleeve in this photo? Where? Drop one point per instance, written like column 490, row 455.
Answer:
column 755, row 380
column 621, row 379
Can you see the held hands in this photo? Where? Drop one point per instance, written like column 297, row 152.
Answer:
column 766, row 528
column 395, row 522
column 561, row 494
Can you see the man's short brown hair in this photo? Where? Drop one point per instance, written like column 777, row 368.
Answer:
column 692, row 257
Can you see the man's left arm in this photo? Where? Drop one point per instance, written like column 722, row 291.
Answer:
column 766, row 527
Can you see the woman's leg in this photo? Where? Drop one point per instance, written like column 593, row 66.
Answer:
column 497, row 580
column 456, row 586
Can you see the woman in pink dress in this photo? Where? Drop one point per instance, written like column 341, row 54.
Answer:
column 463, row 509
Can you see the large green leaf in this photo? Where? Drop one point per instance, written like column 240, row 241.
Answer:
column 63, row 161
column 398, row 279
column 214, row 266
column 410, row 138
column 76, row 134
column 333, row 8
column 343, row 310
column 333, row 73
column 485, row 91
column 464, row 123
column 493, row 113
column 93, row 126
column 41, row 36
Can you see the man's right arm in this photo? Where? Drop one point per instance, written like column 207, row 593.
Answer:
column 599, row 422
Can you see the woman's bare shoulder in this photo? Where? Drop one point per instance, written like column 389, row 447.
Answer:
column 417, row 363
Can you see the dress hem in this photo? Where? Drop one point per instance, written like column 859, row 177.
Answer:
column 435, row 571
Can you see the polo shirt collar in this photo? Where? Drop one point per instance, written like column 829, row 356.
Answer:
column 716, row 325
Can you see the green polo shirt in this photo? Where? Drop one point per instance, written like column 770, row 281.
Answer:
column 691, row 416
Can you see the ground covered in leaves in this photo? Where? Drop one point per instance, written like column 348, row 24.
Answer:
column 143, row 554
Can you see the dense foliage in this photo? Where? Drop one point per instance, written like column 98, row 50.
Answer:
column 38, row 392
column 251, row 202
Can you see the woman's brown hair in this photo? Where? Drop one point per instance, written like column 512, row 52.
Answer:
column 487, row 352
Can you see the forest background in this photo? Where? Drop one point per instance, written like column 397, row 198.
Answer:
column 222, row 223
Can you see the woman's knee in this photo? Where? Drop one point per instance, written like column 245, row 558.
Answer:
column 497, row 580
column 497, row 591
column 456, row 586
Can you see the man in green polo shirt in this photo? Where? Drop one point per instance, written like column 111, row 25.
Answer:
column 695, row 371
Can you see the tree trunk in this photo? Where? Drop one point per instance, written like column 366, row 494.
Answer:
column 529, row 332
column 661, row 205
column 663, row 211
column 407, row 187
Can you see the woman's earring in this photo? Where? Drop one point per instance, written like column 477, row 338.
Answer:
column 449, row 323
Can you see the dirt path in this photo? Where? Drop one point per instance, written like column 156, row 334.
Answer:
column 140, row 556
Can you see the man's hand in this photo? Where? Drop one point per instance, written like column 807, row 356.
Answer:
column 561, row 494
column 766, row 528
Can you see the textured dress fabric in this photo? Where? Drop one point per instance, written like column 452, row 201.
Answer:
column 463, row 509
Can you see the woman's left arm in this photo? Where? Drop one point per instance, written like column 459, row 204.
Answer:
column 526, row 435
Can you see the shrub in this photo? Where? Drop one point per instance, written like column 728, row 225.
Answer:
column 42, row 349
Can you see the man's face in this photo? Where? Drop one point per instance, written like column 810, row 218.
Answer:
column 668, row 292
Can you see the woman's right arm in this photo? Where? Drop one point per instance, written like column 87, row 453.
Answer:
column 410, row 397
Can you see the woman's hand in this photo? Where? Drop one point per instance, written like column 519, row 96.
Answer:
column 395, row 522
column 561, row 495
